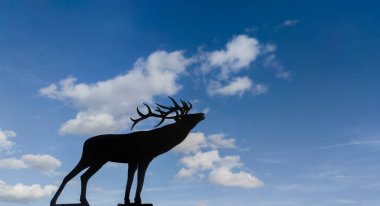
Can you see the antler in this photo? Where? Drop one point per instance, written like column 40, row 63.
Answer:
column 164, row 114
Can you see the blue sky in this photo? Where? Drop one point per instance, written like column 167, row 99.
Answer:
column 290, row 91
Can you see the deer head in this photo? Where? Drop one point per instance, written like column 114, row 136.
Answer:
column 176, row 112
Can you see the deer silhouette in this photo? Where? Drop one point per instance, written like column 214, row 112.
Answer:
column 137, row 149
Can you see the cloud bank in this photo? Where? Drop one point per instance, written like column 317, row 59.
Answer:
column 5, row 144
column 218, row 169
column 20, row 193
column 239, row 53
column 46, row 164
column 105, row 106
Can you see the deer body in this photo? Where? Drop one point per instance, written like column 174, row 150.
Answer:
column 137, row 149
column 126, row 148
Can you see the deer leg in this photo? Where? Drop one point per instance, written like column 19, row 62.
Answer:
column 140, row 180
column 77, row 169
column 84, row 179
column 131, row 173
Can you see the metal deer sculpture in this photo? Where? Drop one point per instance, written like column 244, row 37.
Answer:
column 137, row 149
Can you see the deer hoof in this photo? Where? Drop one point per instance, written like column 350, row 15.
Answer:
column 53, row 203
column 138, row 200
column 84, row 203
column 127, row 202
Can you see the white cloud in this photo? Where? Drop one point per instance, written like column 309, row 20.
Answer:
column 259, row 89
column 230, row 162
column 5, row 144
column 271, row 62
column 105, row 106
column 220, row 141
column 236, row 86
column 199, row 162
column 238, row 54
column 269, row 48
column 290, row 22
column 196, row 141
column 225, row 177
column 12, row 163
column 44, row 163
column 193, row 143
column 24, row 193
column 220, row 169
column 87, row 122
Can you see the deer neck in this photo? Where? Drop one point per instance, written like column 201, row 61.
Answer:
column 182, row 131
column 172, row 135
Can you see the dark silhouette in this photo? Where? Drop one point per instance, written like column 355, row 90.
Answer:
column 137, row 149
